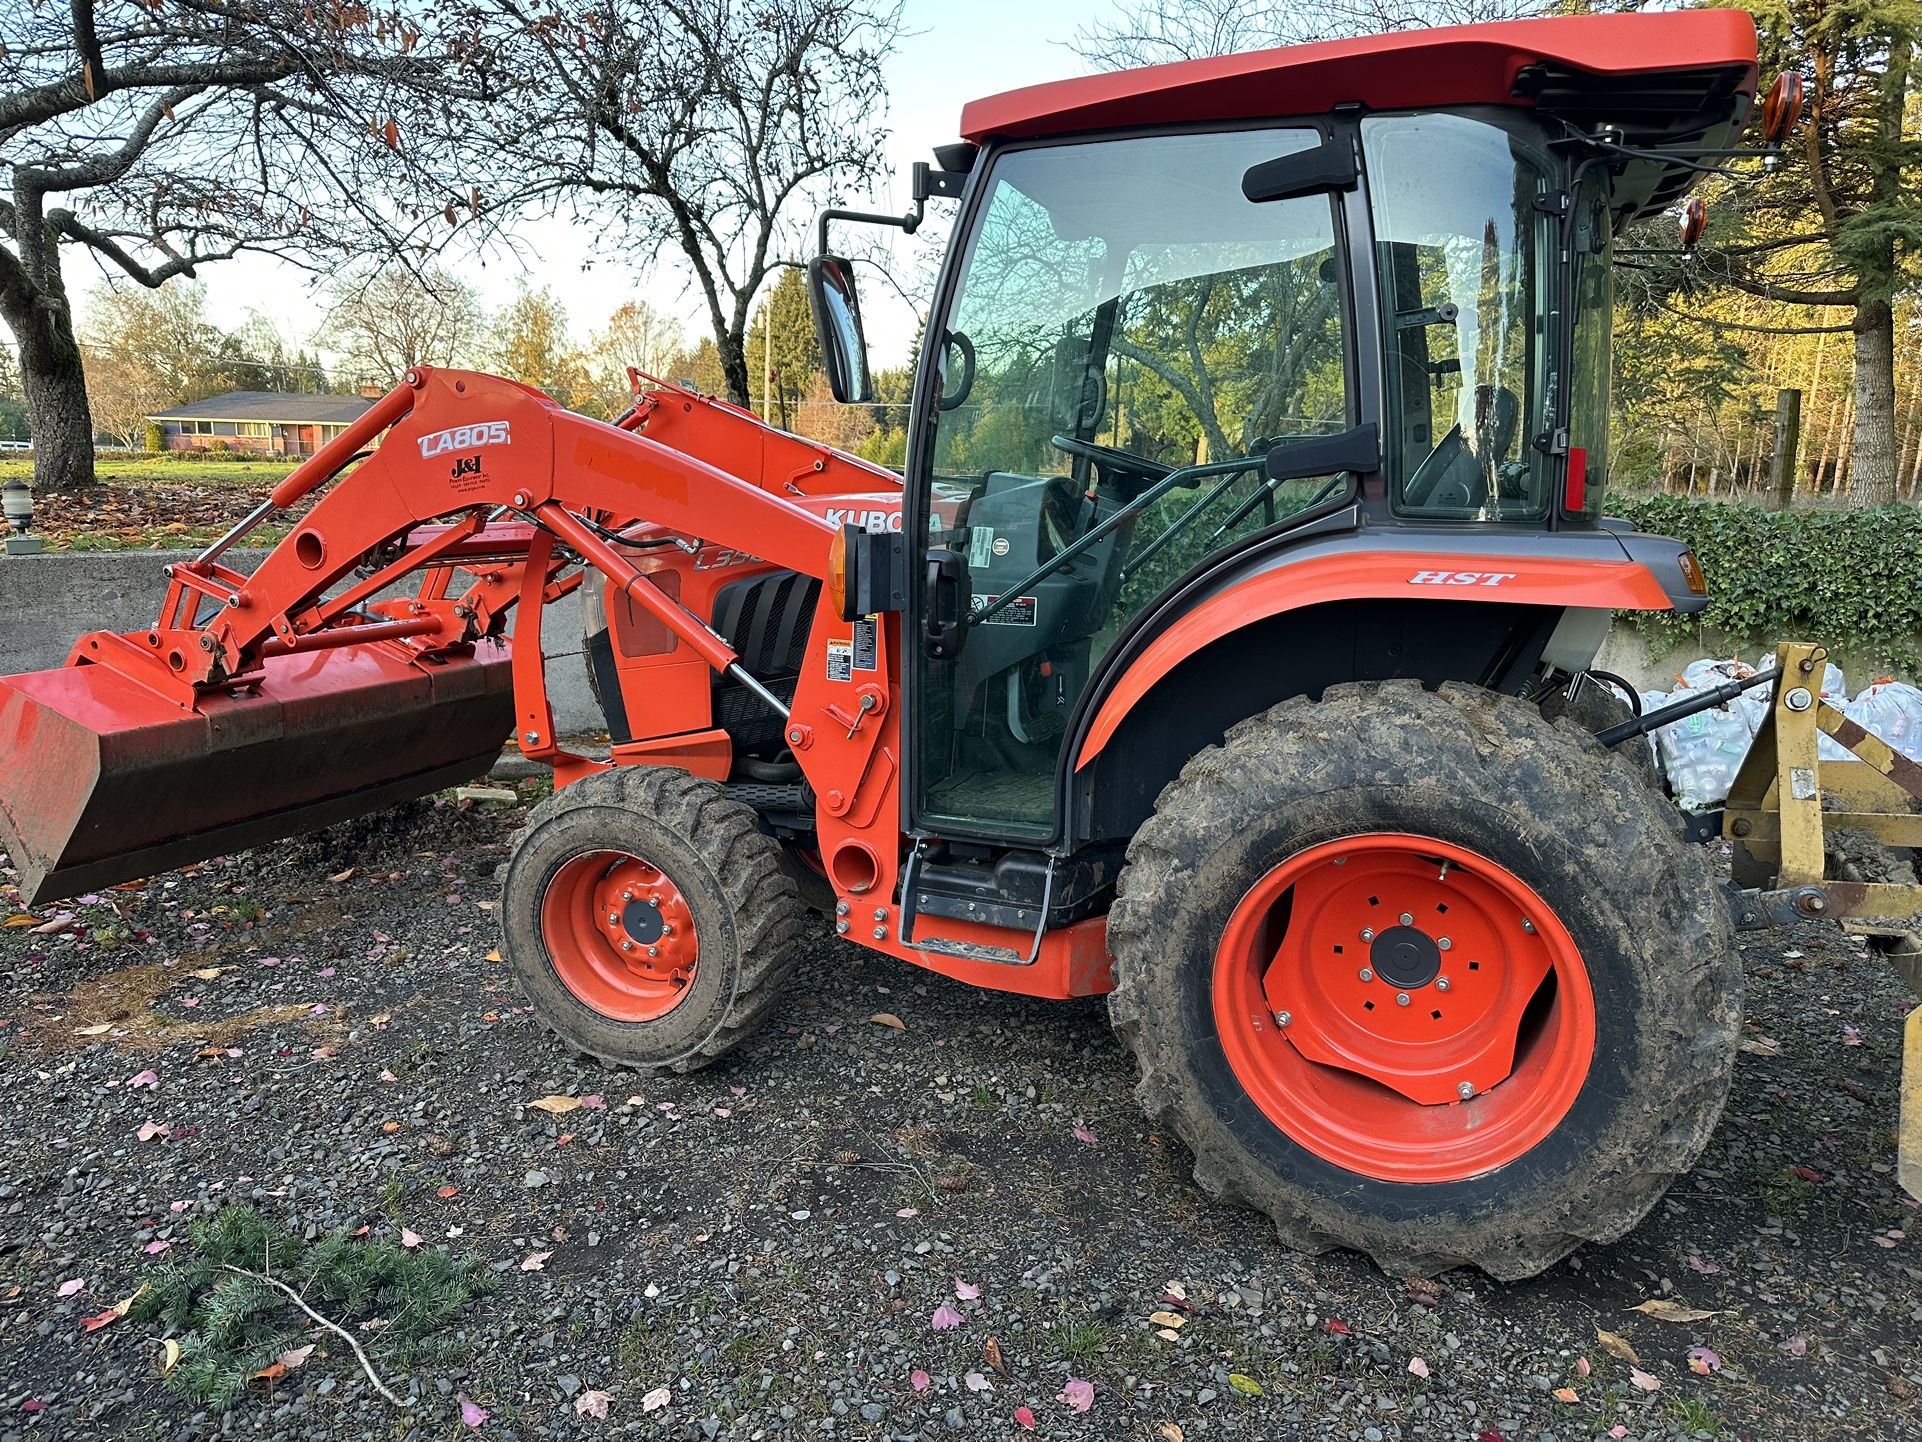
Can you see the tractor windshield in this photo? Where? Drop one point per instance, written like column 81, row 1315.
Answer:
column 1123, row 312
column 1465, row 256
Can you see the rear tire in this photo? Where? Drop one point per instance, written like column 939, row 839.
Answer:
column 649, row 920
column 1563, row 866
column 1596, row 707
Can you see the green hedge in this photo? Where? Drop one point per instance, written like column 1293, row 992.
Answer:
column 1851, row 580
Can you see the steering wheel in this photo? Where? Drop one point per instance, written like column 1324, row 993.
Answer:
column 1113, row 458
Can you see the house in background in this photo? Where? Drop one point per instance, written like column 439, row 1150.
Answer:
column 262, row 422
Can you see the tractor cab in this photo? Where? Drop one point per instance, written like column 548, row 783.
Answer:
column 1178, row 341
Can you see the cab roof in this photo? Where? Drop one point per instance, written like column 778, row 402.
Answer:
column 1673, row 78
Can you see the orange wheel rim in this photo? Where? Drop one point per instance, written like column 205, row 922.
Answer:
column 1404, row 1008
column 620, row 935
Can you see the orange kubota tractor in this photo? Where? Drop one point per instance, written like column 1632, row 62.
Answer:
column 1222, row 649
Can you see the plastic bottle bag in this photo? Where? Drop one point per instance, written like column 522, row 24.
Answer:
column 1891, row 710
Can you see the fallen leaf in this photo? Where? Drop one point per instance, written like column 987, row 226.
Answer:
column 1086, row 1137
column 494, row 955
column 1704, row 1360
column 295, row 1357
column 100, row 1319
column 169, row 1355
column 156, row 1246
column 1696, row 1264
column 340, row 876
column 1643, row 1380
column 657, row 1399
column 1617, row 1347
column 1581, row 1366
column 1418, row 1366
column 1170, row 1432
column 1663, row 1310
column 991, row 1349
column 945, row 1318
column 919, row 1380
column 592, row 1404
column 1565, row 1394
column 1807, row 1174
column 209, row 973
column 21, row 918
column 409, row 1238
column 448, row 1191
column 1168, row 1319
column 535, row 1261
column 594, row 1102
column 907, row 1212
column 145, row 1079
column 1244, row 1384
column 271, row 1372
column 67, row 1289
column 1024, row 1418
column 1335, row 1327
column 1761, row 1046
column 101, row 1030
column 888, row 1019
column 555, row 1105
column 1796, row 1346
column 1076, row 1395
column 975, row 1382
column 472, row 1413
column 966, row 1291
column 149, row 1130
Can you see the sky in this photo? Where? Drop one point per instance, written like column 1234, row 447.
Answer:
column 951, row 51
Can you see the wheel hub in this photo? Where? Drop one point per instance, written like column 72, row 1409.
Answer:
column 1405, row 956
column 1403, row 1007
column 621, row 935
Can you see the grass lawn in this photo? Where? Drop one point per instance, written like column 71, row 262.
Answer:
column 152, row 502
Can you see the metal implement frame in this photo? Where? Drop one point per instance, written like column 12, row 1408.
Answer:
column 1785, row 803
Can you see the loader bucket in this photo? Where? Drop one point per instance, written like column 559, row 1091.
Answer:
column 103, row 780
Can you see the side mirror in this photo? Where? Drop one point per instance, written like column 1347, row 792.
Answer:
column 1781, row 108
column 837, row 321
column 1694, row 222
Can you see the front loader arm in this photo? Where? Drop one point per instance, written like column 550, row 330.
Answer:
column 263, row 704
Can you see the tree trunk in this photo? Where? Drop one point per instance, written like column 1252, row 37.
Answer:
column 734, row 367
column 1872, row 468
column 56, row 387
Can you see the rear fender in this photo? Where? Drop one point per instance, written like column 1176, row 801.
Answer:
column 1299, row 627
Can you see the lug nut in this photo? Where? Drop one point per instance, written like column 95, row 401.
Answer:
column 840, row 928
column 841, row 908
column 627, row 895
column 1529, row 927
column 880, row 913
column 1401, row 998
column 1465, row 1090
column 1441, row 983
column 880, row 933
column 1408, row 918
column 655, row 902
column 613, row 918
column 1367, row 974
column 1368, row 933
column 1443, row 943
column 627, row 946
column 1282, row 1018
column 653, row 951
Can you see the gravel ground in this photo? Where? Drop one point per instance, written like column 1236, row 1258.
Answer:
column 769, row 1241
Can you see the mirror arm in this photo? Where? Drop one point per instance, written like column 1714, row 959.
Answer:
column 928, row 182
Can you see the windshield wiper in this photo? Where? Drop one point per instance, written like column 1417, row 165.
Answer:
column 1082, row 543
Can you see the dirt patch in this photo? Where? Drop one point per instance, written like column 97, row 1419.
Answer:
column 119, row 1008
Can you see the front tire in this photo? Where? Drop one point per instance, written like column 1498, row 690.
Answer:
column 1428, row 976
column 649, row 920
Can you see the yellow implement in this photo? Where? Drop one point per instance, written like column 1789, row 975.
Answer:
column 1796, row 821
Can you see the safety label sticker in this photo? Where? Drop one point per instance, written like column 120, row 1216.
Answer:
column 1018, row 612
column 980, row 546
column 840, row 661
column 864, row 644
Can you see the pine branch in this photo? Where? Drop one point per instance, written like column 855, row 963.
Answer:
column 334, row 1327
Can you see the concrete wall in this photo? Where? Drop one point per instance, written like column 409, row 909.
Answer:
column 48, row 601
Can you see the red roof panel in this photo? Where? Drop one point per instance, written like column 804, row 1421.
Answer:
column 1410, row 69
